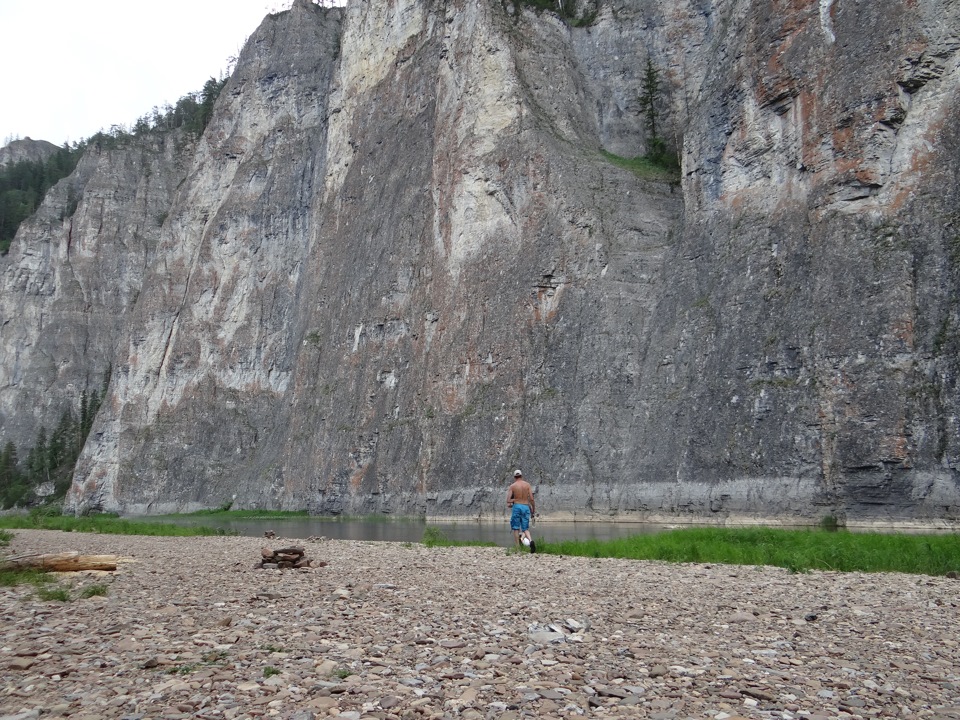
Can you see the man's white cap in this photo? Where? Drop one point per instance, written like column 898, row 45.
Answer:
column 517, row 473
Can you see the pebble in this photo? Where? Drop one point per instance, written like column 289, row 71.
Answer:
column 395, row 631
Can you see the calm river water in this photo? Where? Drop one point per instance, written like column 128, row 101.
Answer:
column 412, row 530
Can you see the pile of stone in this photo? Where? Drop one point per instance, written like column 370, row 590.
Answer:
column 288, row 557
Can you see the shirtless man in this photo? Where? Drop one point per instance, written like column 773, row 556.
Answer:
column 520, row 501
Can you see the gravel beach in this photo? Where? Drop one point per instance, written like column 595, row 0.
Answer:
column 189, row 628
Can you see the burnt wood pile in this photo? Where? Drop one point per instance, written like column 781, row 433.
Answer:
column 288, row 557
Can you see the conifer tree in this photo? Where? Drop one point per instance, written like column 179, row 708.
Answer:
column 649, row 94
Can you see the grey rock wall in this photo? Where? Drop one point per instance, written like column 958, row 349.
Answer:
column 507, row 295
column 815, row 314
column 400, row 264
column 198, row 392
column 70, row 281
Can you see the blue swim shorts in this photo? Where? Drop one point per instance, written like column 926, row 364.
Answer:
column 520, row 517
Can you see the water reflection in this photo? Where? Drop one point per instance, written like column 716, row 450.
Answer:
column 412, row 530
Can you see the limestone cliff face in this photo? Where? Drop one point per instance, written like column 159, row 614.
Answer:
column 72, row 276
column 501, row 283
column 198, row 389
column 812, row 310
column 400, row 264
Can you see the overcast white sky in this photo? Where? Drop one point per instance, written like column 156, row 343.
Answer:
column 72, row 67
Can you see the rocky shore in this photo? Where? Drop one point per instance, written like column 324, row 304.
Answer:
column 190, row 628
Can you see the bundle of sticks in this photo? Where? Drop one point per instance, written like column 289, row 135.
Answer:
column 288, row 557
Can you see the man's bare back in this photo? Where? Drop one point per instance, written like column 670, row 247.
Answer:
column 520, row 492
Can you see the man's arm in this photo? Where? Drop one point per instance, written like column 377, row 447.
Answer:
column 510, row 497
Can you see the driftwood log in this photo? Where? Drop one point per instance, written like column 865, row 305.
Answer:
column 60, row 562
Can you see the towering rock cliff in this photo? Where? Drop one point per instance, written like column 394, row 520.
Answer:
column 73, row 275
column 813, row 302
column 401, row 261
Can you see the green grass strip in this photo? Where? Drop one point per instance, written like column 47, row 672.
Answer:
column 107, row 524
column 796, row 550
column 22, row 576
column 435, row 537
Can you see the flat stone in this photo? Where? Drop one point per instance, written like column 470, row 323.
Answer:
column 547, row 637
column 21, row 663
column 389, row 701
column 759, row 694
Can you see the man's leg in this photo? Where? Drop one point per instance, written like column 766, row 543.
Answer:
column 529, row 536
column 516, row 524
column 525, row 529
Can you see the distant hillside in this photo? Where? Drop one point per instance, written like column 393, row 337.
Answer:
column 34, row 168
column 26, row 149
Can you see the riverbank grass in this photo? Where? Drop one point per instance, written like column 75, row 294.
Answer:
column 796, row 550
column 106, row 523
column 18, row 576
column 435, row 537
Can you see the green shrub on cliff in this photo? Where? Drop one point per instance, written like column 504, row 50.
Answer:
column 665, row 168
